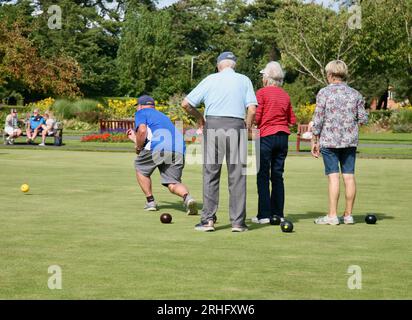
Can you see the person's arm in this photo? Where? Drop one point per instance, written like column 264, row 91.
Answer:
column 318, row 119
column 362, row 115
column 193, row 112
column 250, row 118
column 9, row 122
column 250, row 103
column 138, row 137
column 259, row 109
column 291, row 115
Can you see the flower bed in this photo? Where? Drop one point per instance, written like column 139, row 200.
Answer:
column 105, row 137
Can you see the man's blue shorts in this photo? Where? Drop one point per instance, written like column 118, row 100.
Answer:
column 332, row 157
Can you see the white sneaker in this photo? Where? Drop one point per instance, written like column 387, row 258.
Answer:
column 42, row 144
column 150, row 206
column 327, row 220
column 347, row 219
column 191, row 206
column 260, row 221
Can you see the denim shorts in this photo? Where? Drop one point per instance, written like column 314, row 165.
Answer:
column 332, row 157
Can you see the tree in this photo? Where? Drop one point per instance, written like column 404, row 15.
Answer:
column 309, row 36
column 24, row 70
column 147, row 50
column 89, row 34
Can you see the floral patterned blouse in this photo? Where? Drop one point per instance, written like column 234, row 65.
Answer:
column 339, row 111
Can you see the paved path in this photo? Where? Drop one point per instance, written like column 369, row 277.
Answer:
column 292, row 144
column 366, row 145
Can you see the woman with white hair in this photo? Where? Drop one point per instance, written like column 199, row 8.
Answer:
column 274, row 115
column 339, row 111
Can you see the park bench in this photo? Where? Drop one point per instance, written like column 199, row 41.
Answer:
column 57, row 134
column 121, row 126
column 302, row 128
column 113, row 126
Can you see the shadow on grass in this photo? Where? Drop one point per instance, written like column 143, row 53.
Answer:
column 36, row 144
column 251, row 226
column 177, row 205
column 311, row 215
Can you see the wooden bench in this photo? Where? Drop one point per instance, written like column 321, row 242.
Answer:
column 57, row 134
column 302, row 128
column 116, row 125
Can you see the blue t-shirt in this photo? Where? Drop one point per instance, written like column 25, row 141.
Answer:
column 36, row 121
column 162, row 135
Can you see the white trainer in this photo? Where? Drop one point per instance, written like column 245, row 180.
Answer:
column 347, row 219
column 260, row 221
column 327, row 220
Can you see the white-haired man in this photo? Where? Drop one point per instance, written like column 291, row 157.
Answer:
column 226, row 95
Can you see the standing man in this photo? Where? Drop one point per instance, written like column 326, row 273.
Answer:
column 226, row 95
column 159, row 145
column 11, row 127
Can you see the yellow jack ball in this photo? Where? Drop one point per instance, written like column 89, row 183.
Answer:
column 25, row 188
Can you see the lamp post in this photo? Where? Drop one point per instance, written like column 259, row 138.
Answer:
column 192, row 67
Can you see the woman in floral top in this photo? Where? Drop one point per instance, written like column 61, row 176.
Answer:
column 339, row 111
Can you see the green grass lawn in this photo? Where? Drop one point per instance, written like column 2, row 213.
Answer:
column 401, row 149
column 84, row 213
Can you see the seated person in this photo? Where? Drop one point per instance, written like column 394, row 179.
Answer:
column 11, row 127
column 47, row 127
column 35, row 127
column 308, row 134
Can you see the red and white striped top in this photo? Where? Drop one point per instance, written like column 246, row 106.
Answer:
column 274, row 112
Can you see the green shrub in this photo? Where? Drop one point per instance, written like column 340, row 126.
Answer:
column 175, row 112
column 85, row 105
column 89, row 117
column 401, row 121
column 405, row 116
column 64, row 109
column 300, row 93
column 304, row 113
column 380, row 116
column 402, row 128
column 77, row 125
column 87, row 110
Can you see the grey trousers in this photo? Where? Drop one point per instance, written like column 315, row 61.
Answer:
column 224, row 136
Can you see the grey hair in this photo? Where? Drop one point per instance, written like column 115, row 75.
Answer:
column 337, row 69
column 273, row 74
column 227, row 63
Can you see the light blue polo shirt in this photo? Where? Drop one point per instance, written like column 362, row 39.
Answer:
column 225, row 94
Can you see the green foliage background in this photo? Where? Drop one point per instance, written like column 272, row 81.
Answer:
column 129, row 47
